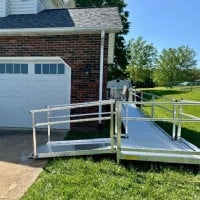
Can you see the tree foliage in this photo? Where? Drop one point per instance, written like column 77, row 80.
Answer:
column 142, row 58
column 115, row 70
column 175, row 65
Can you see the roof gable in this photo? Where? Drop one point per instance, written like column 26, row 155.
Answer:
column 62, row 21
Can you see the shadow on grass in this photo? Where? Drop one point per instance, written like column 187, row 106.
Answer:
column 103, row 132
column 165, row 92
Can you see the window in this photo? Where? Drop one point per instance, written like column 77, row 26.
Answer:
column 15, row 68
column 51, row 68
column 2, row 68
column 9, row 68
column 61, row 69
column 24, row 68
column 37, row 68
column 45, row 69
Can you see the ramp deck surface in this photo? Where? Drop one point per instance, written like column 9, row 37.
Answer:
column 146, row 141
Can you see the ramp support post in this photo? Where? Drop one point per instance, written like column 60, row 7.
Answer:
column 174, row 121
column 34, row 136
column 111, row 126
column 119, row 122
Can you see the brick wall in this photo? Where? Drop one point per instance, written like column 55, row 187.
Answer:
column 77, row 50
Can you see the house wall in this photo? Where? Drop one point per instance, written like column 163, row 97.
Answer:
column 77, row 50
column 1, row 8
column 21, row 7
column 10, row 7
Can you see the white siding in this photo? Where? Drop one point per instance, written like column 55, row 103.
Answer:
column 44, row 4
column 10, row 7
column 21, row 7
column 7, row 7
column 1, row 8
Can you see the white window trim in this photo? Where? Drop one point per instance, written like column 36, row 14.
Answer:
column 34, row 59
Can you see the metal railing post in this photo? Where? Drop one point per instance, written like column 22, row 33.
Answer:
column 34, row 136
column 153, row 106
column 130, row 97
column 116, row 110
column 126, row 121
column 179, row 122
column 111, row 126
column 135, row 97
column 49, row 127
column 119, row 122
column 174, row 121
column 141, row 99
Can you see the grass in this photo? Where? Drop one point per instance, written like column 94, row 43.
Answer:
column 102, row 179
column 190, row 131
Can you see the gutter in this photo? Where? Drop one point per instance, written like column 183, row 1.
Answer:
column 56, row 31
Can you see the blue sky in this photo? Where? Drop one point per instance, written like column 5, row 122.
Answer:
column 166, row 23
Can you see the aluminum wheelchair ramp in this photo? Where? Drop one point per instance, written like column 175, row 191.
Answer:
column 72, row 147
column 147, row 142
column 75, row 148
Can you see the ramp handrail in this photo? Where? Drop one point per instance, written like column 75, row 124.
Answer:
column 178, row 119
column 163, row 105
column 81, row 118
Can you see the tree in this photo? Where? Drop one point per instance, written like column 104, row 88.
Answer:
column 175, row 65
column 195, row 74
column 115, row 70
column 142, row 58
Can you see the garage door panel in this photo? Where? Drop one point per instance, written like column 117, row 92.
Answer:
column 20, row 93
column 56, row 86
column 14, row 118
column 48, row 101
column 17, row 103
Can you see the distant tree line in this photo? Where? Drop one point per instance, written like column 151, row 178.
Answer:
column 148, row 68
column 140, row 62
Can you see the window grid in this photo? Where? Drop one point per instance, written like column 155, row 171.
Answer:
column 49, row 68
column 13, row 68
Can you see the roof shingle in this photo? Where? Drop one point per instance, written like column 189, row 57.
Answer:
column 45, row 19
column 97, row 18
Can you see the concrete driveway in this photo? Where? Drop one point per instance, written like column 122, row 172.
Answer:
column 17, row 171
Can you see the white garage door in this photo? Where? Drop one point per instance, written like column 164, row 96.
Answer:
column 31, row 85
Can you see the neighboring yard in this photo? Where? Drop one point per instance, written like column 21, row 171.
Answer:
column 92, row 178
column 190, row 131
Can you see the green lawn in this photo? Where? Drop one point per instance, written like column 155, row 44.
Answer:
column 190, row 131
column 93, row 178
column 100, row 178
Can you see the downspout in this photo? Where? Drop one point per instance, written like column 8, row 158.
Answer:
column 101, row 75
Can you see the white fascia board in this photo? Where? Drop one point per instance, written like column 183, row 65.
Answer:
column 55, row 31
column 111, row 47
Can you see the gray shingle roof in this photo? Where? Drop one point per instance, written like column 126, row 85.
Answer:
column 45, row 19
column 97, row 18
